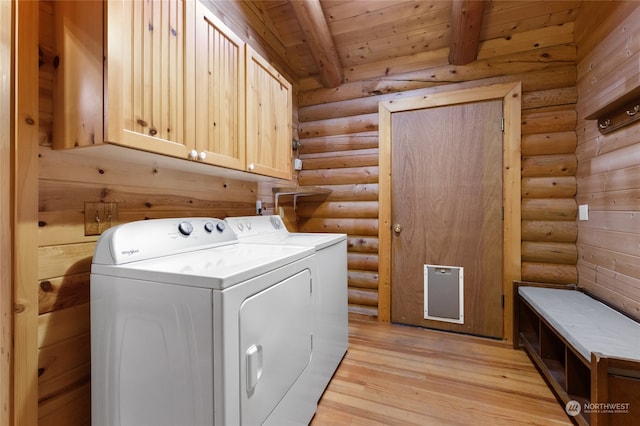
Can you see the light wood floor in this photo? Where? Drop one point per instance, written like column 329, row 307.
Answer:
column 402, row 375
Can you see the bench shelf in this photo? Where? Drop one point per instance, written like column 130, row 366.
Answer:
column 571, row 376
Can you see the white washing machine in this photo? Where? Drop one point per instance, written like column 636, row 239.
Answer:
column 329, row 298
column 189, row 327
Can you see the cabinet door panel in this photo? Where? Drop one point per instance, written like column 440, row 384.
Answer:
column 146, row 85
column 268, row 119
column 220, row 92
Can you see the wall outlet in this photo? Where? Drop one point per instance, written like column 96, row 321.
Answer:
column 98, row 217
column 297, row 164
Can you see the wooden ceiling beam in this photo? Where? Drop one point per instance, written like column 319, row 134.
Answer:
column 316, row 31
column 466, row 23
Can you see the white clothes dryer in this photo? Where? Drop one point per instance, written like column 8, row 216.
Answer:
column 189, row 327
column 330, row 295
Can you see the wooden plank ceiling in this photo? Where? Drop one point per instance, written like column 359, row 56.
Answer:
column 321, row 38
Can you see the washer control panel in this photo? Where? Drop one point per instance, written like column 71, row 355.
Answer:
column 147, row 239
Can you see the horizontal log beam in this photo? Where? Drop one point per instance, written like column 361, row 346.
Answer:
column 549, row 231
column 363, row 297
column 358, row 244
column 338, row 209
column 549, row 121
column 549, row 165
column 363, row 279
column 551, row 273
column 345, row 176
column 346, row 192
column 362, row 261
column 364, row 227
column 338, row 143
column 549, row 252
column 341, row 161
column 549, row 209
column 549, row 187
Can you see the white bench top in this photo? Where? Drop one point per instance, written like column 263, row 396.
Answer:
column 588, row 325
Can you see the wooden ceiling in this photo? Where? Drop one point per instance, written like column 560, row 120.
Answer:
column 365, row 32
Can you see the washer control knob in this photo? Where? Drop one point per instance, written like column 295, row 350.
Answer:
column 220, row 226
column 185, row 228
column 209, row 227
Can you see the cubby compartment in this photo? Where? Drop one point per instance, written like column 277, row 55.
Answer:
column 529, row 327
column 553, row 353
column 578, row 377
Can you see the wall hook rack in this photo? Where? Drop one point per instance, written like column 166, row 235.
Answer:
column 619, row 117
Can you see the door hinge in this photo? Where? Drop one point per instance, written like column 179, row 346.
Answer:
column 502, row 301
column 502, row 124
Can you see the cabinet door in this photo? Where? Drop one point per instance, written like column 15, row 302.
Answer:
column 220, row 93
column 268, row 119
column 147, row 73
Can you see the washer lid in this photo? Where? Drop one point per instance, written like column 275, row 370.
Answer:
column 217, row 268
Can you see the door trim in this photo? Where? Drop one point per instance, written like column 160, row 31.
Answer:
column 511, row 95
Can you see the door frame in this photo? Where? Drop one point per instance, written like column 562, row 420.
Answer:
column 511, row 95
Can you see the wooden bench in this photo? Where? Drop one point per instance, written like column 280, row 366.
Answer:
column 588, row 352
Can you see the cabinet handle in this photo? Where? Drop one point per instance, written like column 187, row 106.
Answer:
column 251, row 166
column 193, row 154
column 202, row 155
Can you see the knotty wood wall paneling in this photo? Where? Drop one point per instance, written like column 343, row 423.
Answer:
column 64, row 253
column 6, row 206
column 338, row 132
column 608, row 174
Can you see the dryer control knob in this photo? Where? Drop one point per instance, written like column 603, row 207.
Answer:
column 220, row 226
column 209, row 227
column 185, row 228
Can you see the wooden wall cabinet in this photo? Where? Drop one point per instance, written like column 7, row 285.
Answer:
column 269, row 113
column 173, row 81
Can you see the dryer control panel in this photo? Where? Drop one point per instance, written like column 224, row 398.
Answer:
column 249, row 226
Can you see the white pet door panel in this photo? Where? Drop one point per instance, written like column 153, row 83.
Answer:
column 444, row 293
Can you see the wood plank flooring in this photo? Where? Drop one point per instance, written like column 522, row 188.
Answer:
column 401, row 375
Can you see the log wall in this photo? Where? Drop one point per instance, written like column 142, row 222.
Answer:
column 609, row 165
column 339, row 134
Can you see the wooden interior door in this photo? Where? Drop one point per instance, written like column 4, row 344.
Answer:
column 447, row 210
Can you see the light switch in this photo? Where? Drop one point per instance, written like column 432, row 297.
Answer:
column 583, row 212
